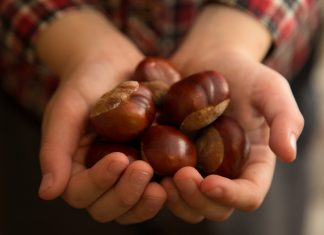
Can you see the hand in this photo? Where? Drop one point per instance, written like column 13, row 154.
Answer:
column 113, row 189
column 262, row 102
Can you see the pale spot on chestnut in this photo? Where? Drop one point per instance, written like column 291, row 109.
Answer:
column 124, row 113
column 194, row 102
column 222, row 147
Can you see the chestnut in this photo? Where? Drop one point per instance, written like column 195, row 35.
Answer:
column 222, row 147
column 210, row 150
column 196, row 101
column 123, row 113
column 158, row 89
column 158, row 75
column 99, row 149
column 167, row 149
column 156, row 69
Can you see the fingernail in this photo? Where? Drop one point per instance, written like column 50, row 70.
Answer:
column 293, row 143
column 139, row 177
column 216, row 192
column 47, row 182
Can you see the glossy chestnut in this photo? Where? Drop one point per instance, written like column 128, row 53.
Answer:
column 196, row 101
column 167, row 149
column 158, row 89
column 222, row 147
column 158, row 75
column 156, row 69
column 123, row 113
column 100, row 149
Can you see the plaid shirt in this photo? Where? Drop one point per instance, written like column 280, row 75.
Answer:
column 156, row 27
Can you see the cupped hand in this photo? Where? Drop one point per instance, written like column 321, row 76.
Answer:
column 262, row 102
column 113, row 189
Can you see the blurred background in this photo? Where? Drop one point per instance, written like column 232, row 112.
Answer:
column 314, row 223
column 21, row 211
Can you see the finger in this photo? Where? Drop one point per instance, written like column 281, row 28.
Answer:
column 126, row 193
column 62, row 127
column 187, row 180
column 248, row 192
column 149, row 205
column 275, row 100
column 177, row 205
column 89, row 184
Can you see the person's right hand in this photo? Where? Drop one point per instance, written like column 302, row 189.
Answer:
column 113, row 189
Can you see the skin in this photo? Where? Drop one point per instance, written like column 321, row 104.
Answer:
column 114, row 189
column 256, row 91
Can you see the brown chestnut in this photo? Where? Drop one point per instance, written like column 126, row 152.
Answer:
column 222, row 147
column 123, row 113
column 99, row 149
column 210, row 150
column 158, row 75
column 156, row 69
column 196, row 101
column 167, row 149
column 158, row 89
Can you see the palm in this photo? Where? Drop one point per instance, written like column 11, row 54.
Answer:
column 262, row 102
column 111, row 189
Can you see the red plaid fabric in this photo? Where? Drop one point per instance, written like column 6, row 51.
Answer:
column 21, row 21
column 292, row 24
column 156, row 27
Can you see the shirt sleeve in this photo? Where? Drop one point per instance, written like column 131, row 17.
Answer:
column 21, row 20
column 292, row 24
column 281, row 17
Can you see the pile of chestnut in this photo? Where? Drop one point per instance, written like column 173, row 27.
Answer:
column 170, row 122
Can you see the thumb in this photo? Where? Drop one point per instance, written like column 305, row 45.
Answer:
column 62, row 128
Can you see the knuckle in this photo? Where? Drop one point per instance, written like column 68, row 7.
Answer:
column 102, row 182
column 75, row 201
column 127, row 201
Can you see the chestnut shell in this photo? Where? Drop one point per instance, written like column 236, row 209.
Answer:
column 156, row 69
column 167, row 149
column 237, row 146
column 124, row 113
column 196, row 101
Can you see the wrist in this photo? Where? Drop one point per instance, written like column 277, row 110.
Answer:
column 220, row 31
column 84, row 36
column 227, row 60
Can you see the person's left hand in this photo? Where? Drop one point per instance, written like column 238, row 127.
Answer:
column 233, row 43
column 261, row 101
